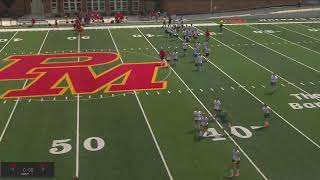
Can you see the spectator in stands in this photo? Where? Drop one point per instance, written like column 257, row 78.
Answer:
column 33, row 21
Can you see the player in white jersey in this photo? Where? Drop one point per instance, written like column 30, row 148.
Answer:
column 217, row 107
column 274, row 80
column 267, row 112
column 204, row 124
column 197, row 115
column 185, row 47
column 235, row 167
column 199, row 62
column 206, row 51
column 174, row 55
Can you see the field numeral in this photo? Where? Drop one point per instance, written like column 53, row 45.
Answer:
column 72, row 38
column 62, row 146
column 235, row 130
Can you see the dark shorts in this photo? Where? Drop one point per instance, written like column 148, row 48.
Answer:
column 207, row 54
column 273, row 83
column 266, row 115
column 236, row 162
column 175, row 60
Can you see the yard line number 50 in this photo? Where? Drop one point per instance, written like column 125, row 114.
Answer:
column 62, row 146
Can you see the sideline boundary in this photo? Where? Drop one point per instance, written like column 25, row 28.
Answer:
column 147, row 26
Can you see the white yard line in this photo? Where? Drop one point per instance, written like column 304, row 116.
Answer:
column 146, row 26
column 200, row 102
column 9, row 41
column 289, row 41
column 291, row 125
column 298, row 33
column 290, row 58
column 146, row 119
column 309, row 26
column 18, row 99
column 78, row 122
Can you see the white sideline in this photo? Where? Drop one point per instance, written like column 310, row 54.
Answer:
column 292, row 59
column 295, row 128
column 200, row 102
column 289, row 41
column 146, row 119
column 298, row 33
column 263, row 67
column 145, row 26
column 18, row 99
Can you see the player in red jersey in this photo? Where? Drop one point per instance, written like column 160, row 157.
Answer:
column 207, row 35
column 162, row 55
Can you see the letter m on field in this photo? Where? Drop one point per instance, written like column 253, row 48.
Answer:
column 45, row 77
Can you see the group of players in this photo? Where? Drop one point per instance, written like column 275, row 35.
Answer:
column 189, row 33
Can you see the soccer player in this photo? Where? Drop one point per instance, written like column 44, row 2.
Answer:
column 274, row 80
column 204, row 124
column 207, row 35
column 197, row 115
column 267, row 112
column 196, row 53
column 164, row 22
column 221, row 26
column 235, row 167
column 217, row 107
column 199, row 62
column 185, row 47
column 174, row 55
column 206, row 51
column 162, row 55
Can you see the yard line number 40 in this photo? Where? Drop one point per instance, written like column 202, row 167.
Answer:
column 62, row 146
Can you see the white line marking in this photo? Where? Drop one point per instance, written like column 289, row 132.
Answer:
column 147, row 121
column 78, row 122
column 298, row 130
column 158, row 92
column 29, row 100
column 211, row 89
column 312, row 83
column 101, row 96
column 232, row 88
column 41, row 99
column 200, row 102
column 297, row 44
column 298, row 33
column 16, row 104
column 273, row 50
column 9, row 41
column 147, row 93
column 4, row 101
column 253, row 87
column 222, row 88
column 179, row 91
column 283, row 85
column 263, row 86
column 201, row 90
column 169, row 92
column 54, row 98
column 302, row 84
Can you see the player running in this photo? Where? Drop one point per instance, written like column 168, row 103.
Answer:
column 274, row 80
column 207, row 35
column 221, row 26
column 199, row 63
column 185, row 47
column 174, row 55
column 162, row 55
column 197, row 116
column 235, row 167
column 217, row 107
column 267, row 113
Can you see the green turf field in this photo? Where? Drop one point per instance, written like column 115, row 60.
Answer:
column 150, row 134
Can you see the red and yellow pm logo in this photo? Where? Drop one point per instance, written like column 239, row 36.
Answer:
column 80, row 77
